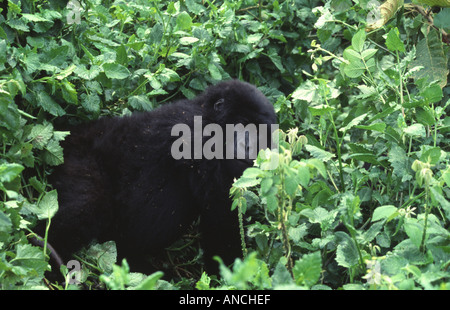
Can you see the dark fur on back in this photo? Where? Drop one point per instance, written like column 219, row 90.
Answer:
column 120, row 182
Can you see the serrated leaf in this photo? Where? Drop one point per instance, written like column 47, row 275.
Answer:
column 48, row 206
column 393, row 41
column 430, row 55
column 40, row 135
column 400, row 162
column 53, row 154
column 30, row 257
column 307, row 270
column 49, row 105
column 140, row 102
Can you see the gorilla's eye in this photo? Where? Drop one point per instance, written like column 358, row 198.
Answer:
column 218, row 104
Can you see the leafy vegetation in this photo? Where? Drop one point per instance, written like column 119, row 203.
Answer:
column 360, row 196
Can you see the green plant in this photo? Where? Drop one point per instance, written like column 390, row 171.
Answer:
column 360, row 198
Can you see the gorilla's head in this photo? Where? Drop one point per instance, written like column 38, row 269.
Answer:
column 232, row 103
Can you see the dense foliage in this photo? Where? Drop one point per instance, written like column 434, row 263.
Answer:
column 361, row 194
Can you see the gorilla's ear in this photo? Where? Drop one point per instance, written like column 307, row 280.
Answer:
column 218, row 105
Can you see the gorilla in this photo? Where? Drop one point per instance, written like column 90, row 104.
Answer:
column 123, row 180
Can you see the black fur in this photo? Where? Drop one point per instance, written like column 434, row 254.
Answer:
column 119, row 181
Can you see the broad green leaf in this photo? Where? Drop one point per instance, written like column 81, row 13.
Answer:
column 400, row 162
column 414, row 230
column 184, row 21
column 368, row 53
column 319, row 165
column 8, row 172
column 40, row 135
column 307, row 269
column 49, row 105
column 354, row 69
column 116, row 71
column 384, row 212
column 415, row 130
column 214, row 71
column 53, row 154
column 432, row 155
column 30, row 257
column 48, row 206
column 442, row 19
column 347, row 253
column 430, row 55
column 303, row 175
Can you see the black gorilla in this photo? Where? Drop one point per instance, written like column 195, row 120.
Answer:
column 121, row 182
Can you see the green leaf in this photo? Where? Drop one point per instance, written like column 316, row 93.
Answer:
column 319, row 153
column 48, row 206
column 380, row 127
column 91, row 103
column 188, row 40
column 8, row 172
column 347, row 253
column 393, row 41
column 307, row 270
column 53, row 154
column 40, row 135
column 303, row 176
column 49, row 105
column 414, row 231
column 184, row 21
column 116, row 71
column 400, row 162
column 214, row 71
column 244, row 182
column 358, row 40
column 31, row 258
column 415, row 130
column 104, row 253
column 430, row 55
column 5, row 223
column 150, row 282
column 442, row 19
column 384, row 212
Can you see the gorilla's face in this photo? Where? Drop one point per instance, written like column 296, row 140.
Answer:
column 244, row 113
